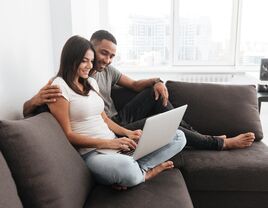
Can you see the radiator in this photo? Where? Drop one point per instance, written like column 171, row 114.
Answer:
column 206, row 78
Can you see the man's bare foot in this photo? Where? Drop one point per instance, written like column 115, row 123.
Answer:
column 158, row 169
column 239, row 142
column 119, row 187
column 222, row 136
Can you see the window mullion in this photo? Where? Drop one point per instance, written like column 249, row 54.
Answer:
column 237, row 31
column 172, row 21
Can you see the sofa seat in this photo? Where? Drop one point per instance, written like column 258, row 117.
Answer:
column 166, row 190
column 235, row 178
column 234, row 170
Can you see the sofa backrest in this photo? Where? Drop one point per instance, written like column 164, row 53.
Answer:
column 8, row 192
column 213, row 109
column 218, row 109
column 47, row 170
column 121, row 96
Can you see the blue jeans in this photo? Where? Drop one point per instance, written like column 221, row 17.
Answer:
column 121, row 169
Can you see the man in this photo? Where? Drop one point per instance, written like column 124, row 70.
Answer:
column 152, row 98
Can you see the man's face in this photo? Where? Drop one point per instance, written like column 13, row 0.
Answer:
column 105, row 52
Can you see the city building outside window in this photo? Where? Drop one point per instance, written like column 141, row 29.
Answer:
column 188, row 32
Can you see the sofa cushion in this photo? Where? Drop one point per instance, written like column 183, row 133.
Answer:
column 217, row 109
column 168, row 189
column 234, row 170
column 8, row 192
column 46, row 168
column 121, row 96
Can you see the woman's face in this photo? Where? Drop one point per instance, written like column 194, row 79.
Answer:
column 86, row 65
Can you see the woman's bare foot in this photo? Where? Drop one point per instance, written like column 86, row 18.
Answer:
column 240, row 141
column 119, row 187
column 158, row 169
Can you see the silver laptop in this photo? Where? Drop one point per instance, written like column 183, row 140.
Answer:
column 158, row 131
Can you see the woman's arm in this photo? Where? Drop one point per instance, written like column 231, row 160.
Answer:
column 119, row 130
column 60, row 110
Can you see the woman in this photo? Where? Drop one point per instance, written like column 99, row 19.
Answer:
column 80, row 112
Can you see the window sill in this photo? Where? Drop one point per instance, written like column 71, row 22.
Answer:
column 189, row 69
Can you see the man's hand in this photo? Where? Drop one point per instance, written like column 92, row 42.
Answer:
column 47, row 94
column 160, row 89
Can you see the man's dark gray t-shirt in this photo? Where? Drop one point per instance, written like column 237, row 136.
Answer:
column 106, row 79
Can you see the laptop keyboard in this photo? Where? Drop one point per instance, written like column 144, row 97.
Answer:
column 129, row 153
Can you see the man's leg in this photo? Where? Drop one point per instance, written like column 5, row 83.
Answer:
column 200, row 141
column 143, row 105
column 135, row 125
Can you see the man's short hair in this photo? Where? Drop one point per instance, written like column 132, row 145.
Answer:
column 102, row 35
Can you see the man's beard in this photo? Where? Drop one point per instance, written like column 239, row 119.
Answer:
column 100, row 69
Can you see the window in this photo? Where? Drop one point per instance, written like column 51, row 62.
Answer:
column 254, row 32
column 186, row 32
column 203, row 32
column 143, row 31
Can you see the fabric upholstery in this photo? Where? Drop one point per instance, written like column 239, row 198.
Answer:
column 168, row 189
column 244, row 170
column 46, row 168
column 229, row 199
column 217, row 109
column 121, row 96
column 8, row 191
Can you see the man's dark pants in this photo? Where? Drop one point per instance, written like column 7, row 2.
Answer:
column 143, row 105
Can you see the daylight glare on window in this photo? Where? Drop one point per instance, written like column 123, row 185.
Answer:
column 203, row 32
column 142, row 29
column 254, row 32
column 188, row 32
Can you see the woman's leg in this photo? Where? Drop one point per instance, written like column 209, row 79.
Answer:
column 109, row 169
column 163, row 154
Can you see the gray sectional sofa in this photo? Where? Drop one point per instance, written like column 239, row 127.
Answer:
column 40, row 168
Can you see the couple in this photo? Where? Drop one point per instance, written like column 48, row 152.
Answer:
column 75, row 67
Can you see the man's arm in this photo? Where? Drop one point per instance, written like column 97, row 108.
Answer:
column 139, row 85
column 47, row 94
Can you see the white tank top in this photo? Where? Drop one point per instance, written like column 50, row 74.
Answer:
column 85, row 112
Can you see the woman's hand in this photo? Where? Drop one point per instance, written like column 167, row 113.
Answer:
column 122, row 143
column 135, row 135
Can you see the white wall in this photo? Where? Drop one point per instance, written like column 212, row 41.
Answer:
column 61, row 24
column 87, row 16
column 26, row 54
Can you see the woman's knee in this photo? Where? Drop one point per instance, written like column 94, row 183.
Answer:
column 119, row 169
column 130, row 173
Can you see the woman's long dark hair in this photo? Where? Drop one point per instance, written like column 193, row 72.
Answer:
column 72, row 55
